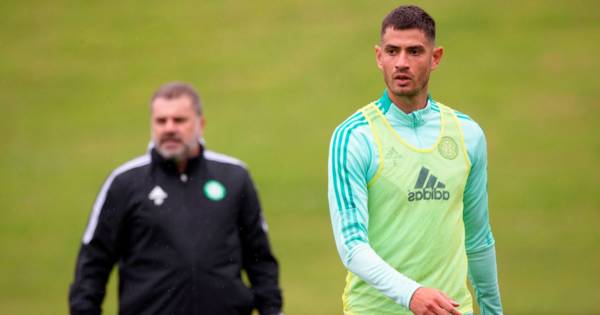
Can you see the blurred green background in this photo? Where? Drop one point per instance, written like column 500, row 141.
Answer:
column 276, row 78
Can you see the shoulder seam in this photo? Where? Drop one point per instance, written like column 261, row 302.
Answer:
column 357, row 115
column 219, row 157
column 457, row 113
column 132, row 164
column 463, row 116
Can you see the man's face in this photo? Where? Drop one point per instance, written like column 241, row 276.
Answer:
column 406, row 58
column 176, row 128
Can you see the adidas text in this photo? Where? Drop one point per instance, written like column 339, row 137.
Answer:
column 428, row 194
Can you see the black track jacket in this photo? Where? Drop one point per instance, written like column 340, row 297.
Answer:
column 180, row 241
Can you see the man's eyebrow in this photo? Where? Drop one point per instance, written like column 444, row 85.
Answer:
column 417, row 46
column 388, row 46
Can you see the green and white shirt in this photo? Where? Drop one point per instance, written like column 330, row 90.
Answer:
column 354, row 163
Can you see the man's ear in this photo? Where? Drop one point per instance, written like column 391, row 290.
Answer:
column 438, row 52
column 378, row 56
column 202, row 123
column 200, row 126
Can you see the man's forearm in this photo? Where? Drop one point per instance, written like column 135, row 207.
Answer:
column 484, row 277
column 366, row 264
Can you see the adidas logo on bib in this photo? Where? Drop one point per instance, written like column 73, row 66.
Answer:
column 428, row 188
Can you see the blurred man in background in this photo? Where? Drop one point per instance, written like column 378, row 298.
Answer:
column 182, row 223
column 408, row 189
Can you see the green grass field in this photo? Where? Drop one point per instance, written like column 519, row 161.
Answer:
column 276, row 78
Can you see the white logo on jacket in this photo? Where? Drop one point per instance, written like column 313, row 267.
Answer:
column 157, row 195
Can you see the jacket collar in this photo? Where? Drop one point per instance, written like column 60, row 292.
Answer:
column 413, row 120
column 170, row 166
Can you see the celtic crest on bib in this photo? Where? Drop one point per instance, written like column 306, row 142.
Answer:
column 448, row 148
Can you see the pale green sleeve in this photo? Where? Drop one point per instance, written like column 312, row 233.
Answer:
column 479, row 241
column 350, row 157
column 483, row 275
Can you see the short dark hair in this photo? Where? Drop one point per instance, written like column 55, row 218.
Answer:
column 409, row 17
column 173, row 90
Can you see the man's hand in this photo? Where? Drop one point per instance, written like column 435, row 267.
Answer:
column 427, row 301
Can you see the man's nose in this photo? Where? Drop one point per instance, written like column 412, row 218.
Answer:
column 402, row 61
column 169, row 125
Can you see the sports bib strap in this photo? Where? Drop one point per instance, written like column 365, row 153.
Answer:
column 371, row 111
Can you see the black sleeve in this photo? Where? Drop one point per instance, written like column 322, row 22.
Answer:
column 98, row 252
column 258, row 260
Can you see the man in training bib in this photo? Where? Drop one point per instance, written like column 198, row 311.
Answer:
column 407, row 190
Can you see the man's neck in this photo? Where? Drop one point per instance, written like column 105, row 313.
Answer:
column 409, row 104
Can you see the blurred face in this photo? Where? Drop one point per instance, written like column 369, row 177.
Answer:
column 406, row 58
column 176, row 128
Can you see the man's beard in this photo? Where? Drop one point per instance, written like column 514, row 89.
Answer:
column 181, row 154
column 417, row 88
